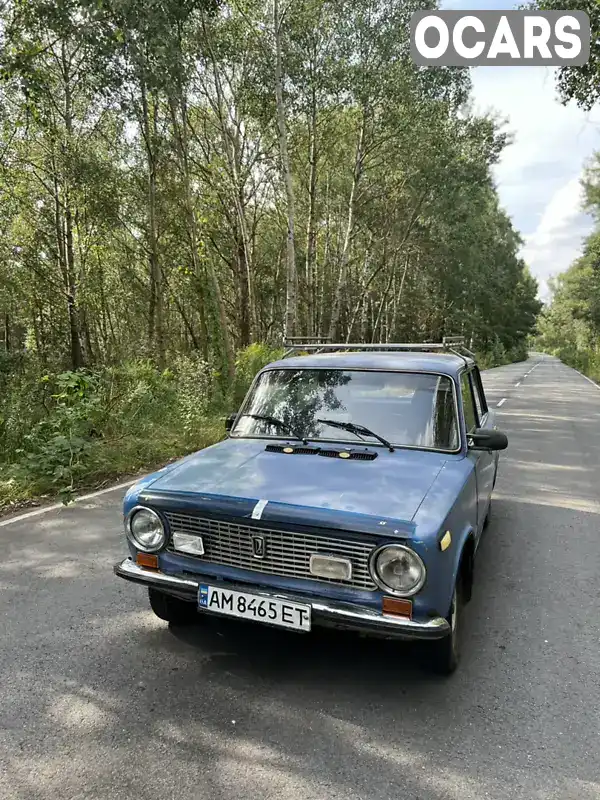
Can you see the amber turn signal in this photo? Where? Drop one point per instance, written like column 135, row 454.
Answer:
column 147, row 560
column 445, row 541
column 397, row 607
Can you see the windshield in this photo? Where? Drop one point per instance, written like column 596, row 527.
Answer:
column 409, row 409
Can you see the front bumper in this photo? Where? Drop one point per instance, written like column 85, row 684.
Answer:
column 326, row 613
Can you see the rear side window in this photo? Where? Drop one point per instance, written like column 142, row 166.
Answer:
column 468, row 402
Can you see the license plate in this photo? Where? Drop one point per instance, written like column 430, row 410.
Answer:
column 251, row 606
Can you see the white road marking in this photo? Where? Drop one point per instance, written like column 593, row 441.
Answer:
column 589, row 380
column 55, row 506
column 517, row 384
column 501, row 403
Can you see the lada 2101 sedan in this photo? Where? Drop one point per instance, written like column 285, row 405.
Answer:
column 352, row 491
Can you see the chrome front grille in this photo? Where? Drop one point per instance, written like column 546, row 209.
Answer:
column 287, row 553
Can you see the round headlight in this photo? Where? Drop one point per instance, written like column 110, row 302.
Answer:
column 145, row 529
column 398, row 569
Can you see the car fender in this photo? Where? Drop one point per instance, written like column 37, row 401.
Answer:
column 444, row 563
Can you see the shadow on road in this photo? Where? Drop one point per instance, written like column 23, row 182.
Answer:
column 237, row 710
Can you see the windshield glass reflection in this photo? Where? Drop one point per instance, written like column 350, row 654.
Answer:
column 409, row 409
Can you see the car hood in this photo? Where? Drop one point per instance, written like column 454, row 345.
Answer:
column 391, row 487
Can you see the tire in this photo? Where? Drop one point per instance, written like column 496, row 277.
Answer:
column 171, row 609
column 446, row 651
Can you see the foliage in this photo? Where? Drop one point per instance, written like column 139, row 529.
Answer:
column 498, row 355
column 581, row 84
column 146, row 212
column 81, row 427
column 570, row 327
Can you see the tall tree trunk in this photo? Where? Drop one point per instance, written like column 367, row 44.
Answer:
column 311, row 233
column 87, row 337
column 247, row 309
column 77, row 360
column 65, row 266
column 188, row 326
column 291, row 294
column 343, row 270
column 181, row 140
column 39, row 342
column 155, row 307
column 323, row 272
column 230, row 137
column 384, row 297
column 243, row 296
column 7, row 331
column 110, row 338
column 405, row 236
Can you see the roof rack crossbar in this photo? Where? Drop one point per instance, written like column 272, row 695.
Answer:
column 451, row 344
column 307, row 339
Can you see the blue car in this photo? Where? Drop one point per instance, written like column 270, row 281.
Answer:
column 351, row 491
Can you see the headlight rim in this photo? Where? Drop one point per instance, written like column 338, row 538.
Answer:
column 131, row 537
column 388, row 589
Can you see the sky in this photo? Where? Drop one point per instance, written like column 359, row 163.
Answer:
column 539, row 174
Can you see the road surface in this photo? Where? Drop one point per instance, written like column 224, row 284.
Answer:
column 100, row 699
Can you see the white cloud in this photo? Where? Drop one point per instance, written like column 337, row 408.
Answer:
column 556, row 242
column 539, row 174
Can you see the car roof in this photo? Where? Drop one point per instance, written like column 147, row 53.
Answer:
column 441, row 363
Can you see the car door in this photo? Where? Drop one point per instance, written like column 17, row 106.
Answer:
column 477, row 416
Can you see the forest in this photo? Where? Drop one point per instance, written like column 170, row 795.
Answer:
column 185, row 184
column 569, row 326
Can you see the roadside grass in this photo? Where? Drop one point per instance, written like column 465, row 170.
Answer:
column 585, row 359
column 67, row 432
column 108, row 463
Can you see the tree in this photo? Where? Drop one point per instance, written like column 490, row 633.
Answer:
column 570, row 326
column 191, row 177
column 581, row 84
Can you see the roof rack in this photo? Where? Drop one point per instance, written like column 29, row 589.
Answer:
column 319, row 344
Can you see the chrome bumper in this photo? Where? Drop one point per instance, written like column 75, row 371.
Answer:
column 326, row 613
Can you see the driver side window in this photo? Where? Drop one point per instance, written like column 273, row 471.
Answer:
column 468, row 403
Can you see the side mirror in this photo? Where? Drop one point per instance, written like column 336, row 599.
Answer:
column 229, row 421
column 483, row 439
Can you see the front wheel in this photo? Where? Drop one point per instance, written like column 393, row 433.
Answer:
column 446, row 651
column 171, row 609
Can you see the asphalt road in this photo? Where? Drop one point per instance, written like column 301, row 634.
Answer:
column 99, row 699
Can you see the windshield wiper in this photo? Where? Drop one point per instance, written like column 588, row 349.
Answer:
column 278, row 423
column 353, row 427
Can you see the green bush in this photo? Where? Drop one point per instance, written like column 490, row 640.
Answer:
column 23, row 403
column 584, row 359
column 72, row 429
column 498, row 355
